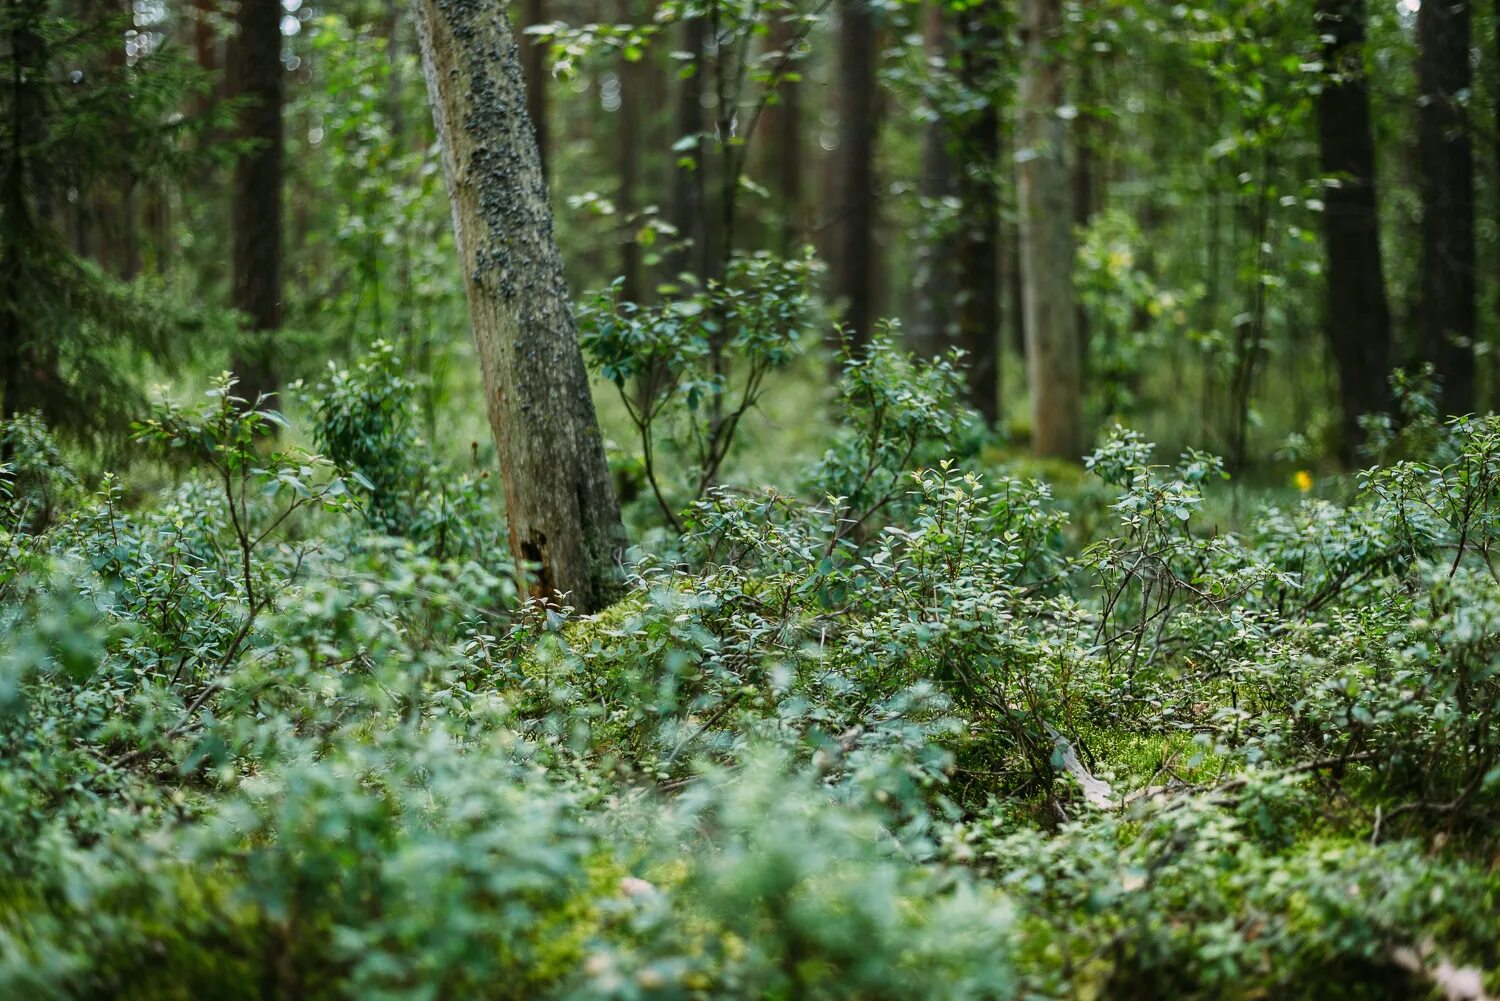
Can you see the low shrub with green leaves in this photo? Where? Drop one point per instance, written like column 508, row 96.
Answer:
column 922, row 728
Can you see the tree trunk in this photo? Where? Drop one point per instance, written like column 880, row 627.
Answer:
column 685, row 210
column 1358, row 321
column 559, row 499
column 978, row 299
column 1447, row 190
column 534, row 73
column 258, row 195
column 1044, row 193
column 781, row 154
column 629, row 141
column 852, row 196
column 932, row 332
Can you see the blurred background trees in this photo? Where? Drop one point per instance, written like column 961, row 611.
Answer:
column 1225, row 223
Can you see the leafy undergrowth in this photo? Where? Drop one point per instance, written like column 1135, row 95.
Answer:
column 922, row 731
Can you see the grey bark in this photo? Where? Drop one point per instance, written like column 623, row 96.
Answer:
column 560, row 502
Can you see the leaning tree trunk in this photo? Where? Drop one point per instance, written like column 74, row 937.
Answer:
column 1359, row 321
column 564, row 519
column 1447, row 187
column 1045, row 196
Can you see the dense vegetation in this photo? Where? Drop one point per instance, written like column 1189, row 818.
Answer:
column 897, row 668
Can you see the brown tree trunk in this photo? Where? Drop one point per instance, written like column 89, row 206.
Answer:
column 781, row 151
column 258, row 195
column 978, row 299
column 1358, row 321
column 851, row 198
column 1045, row 196
column 1447, row 190
column 559, row 498
column 534, row 72
column 629, row 141
column 932, row 331
column 685, row 210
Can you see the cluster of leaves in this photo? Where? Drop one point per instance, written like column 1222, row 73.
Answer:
column 365, row 421
column 914, row 734
column 690, row 368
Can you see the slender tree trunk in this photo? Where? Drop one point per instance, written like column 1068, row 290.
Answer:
column 629, row 141
column 258, row 195
column 978, row 298
column 1358, row 321
column 1447, row 187
column 1052, row 355
column 781, row 152
column 205, row 49
column 851, row 199
column 559, row 498
column 534, row 71
column 932, row 332
column 686, row 208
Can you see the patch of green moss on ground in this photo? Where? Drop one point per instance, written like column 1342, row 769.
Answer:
column 1131, row 759
column 584, row 633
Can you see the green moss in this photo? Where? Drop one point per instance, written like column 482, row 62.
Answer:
column 1130, row 758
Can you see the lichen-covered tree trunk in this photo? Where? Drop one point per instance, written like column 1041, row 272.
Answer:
column 1045, row 195
column 560, row 502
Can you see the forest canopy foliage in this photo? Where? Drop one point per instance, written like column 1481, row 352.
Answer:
column 836, row 500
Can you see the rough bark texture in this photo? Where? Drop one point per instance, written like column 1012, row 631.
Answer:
column 851, row 198
column 1447, row 189
column 1358, row 321
column 258, row 193
column 1045, row 196
column 978, row 299
column 559, row 498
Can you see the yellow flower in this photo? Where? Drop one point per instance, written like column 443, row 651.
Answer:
column 1303, row 479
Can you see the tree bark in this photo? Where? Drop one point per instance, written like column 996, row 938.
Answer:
column 932, row 331
column 852, row 196
column 686, row 210
column 1447, row 191
column 1358, row 323
column 978, row 299
column 559, row 498
column 781, row 155
column 628, row 142
column 258, row 194
column 534, row 72
column 1045, row 196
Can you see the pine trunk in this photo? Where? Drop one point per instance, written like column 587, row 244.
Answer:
column 534, row 73
column 1358, row 321
column 1446, row 150
column 851, row 198
column 1045, row 196
column 560, row 501
column 258, row 194
column 932, row 333
column 978, row 298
